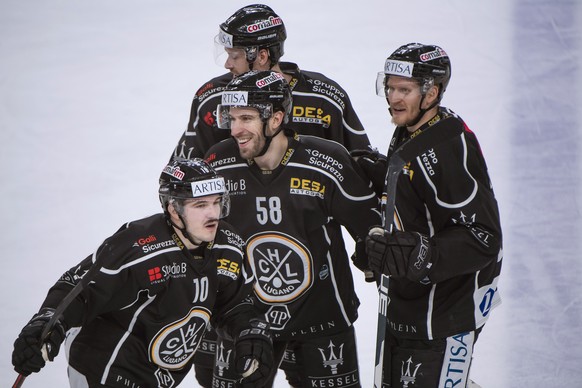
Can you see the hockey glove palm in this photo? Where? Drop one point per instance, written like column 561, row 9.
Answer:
column 400, row 254
column 374, row 165
column 254, row 354
column 27, row 356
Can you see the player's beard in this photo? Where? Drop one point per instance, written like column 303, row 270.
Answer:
column 253, row 147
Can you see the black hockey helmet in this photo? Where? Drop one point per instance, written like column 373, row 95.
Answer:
column 429, row 64
column 267, row 91
column 252, row 28
column 184, row 179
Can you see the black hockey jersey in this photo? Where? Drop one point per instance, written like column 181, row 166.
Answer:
column 290, row 219
column 321, row 108
column 446, row 193
column 142, row 317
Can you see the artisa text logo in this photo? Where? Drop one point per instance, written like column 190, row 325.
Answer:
column 403, row 69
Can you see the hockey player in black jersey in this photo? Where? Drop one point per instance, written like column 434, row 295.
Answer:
column 293, row 192
column 253, row 39
column 160, row 282
column 444, row 256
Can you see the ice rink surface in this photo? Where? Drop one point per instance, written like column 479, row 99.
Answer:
column 95, row 95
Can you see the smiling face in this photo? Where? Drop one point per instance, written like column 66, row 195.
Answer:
column 198, row 215
column 246, row 127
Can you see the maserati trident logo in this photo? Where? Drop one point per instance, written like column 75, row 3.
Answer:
column 222, row 359
column 331, row 359
column 408, row 376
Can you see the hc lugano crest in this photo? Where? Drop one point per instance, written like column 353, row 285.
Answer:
column 282, row 266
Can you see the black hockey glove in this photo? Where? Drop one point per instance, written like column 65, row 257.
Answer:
column 400, row 254
column 360, row 260
column 374, row 166
column 27, row 355
column 254, row 354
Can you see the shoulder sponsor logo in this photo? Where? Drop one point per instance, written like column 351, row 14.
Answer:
column 174, row 345
column 211, row 93
column 233, row 238
column 429, row 159
column 148, row 247
column 329, row 90
column 205, row 88
column 223, row 161
column 306, row 187
column 146, row 240
column 326, row 162
column 282, row 266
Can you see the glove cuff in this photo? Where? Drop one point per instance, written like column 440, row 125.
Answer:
column 421, row 259
column 258, row 329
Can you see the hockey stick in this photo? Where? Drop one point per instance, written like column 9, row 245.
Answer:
column 428, row 139
column 62, row 306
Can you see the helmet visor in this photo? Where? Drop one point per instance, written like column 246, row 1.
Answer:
column 381, row 80
column 225, row 52
column 224, row 204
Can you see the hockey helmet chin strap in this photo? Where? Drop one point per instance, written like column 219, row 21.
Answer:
column 268, row 139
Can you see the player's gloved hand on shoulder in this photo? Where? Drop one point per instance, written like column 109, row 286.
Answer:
column 374, row 165
column 400, row 254
column 254, row 354
column 27, row 355
column 360, row 260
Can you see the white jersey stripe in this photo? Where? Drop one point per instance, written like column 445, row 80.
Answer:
column 340, row 303
column 135, row 262
column 125, row 335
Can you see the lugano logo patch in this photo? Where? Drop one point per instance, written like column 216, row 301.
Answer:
column 282, row 266
column 174, row 345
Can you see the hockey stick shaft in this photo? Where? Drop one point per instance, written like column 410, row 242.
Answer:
column 59, row 310
column 429, row 138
